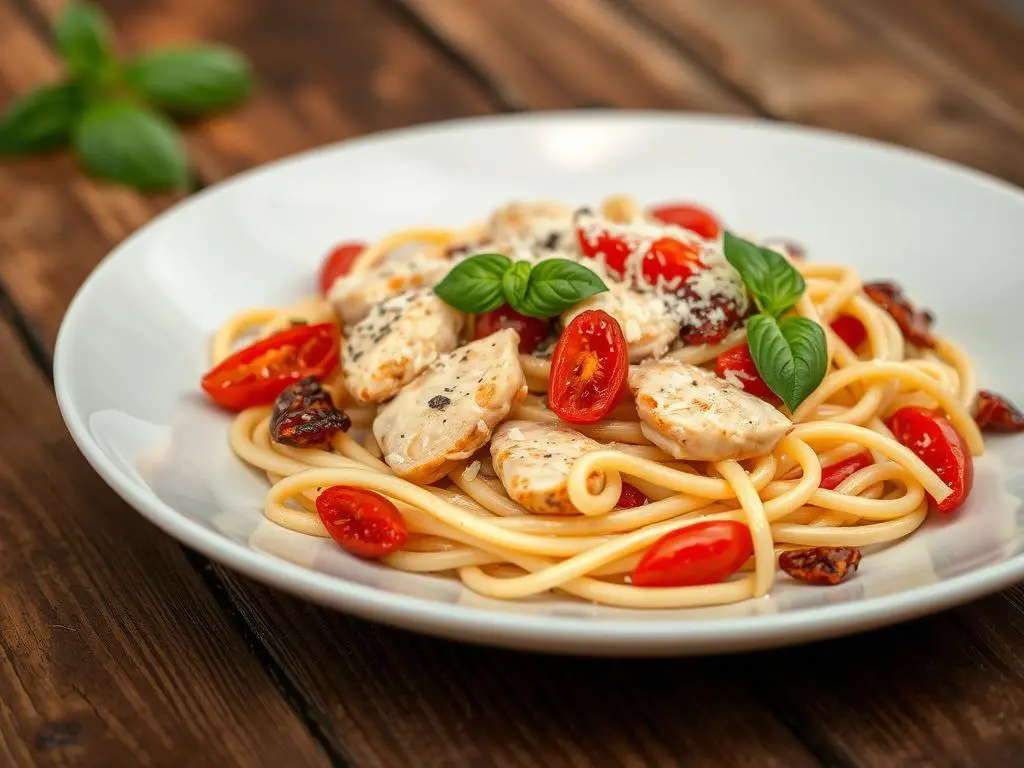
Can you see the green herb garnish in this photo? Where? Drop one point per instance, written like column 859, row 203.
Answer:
column 790, row 353
column 112, row 112
column 484, row 282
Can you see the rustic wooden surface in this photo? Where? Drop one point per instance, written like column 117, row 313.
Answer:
column 122, row 648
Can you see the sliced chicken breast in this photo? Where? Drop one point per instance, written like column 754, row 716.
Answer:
column 448, row 412
column 533, row 460
column 353, row 296
column 398, row 339
column 649, row 322
column 692, row 414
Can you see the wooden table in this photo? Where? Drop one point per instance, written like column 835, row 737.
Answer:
column 120, row 647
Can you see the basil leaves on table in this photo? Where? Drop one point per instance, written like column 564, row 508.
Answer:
column 112, row 111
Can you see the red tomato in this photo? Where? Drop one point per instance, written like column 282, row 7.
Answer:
column 363, row 522
column 532, row 330
column 588, row 368
column 710, row 321
column 738, row 362
column 672, row 260
column 834, row 474
column 703, row 553
column 937, row 443
column 667, row 257
column 338, row 263
column 258, row 373
column 631, row 496
column 689, row 217
column 850, row 329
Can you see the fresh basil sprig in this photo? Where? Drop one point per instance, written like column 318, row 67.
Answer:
column 790, row 353
column 112, row 111
column 485, row 281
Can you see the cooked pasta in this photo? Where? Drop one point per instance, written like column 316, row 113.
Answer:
column 501, row 518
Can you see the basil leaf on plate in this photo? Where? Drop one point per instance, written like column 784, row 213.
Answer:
column 790, row 354
column 775, row 283
column 515, row 281
column 84, row 41
column 124, row 142
column 191, row 80
column 41, row 119
column 475, row 285
column 557, row 284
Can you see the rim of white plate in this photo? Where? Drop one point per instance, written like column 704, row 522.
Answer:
column 558, row 634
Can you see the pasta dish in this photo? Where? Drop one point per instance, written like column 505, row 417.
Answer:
column 634, row 406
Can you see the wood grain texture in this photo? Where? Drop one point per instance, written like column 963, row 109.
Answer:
column 113, row 652
column 975, row 46
column 401, row 699
column 572, row 53
column 326, row 71
column 804, row 61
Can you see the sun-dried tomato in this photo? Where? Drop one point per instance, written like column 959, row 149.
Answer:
column 916, row 324
column 711, row 321
column 304, row 415
column 997, row 414
column 820, row 565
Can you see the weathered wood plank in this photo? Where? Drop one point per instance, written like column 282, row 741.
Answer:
column 113, row 651
column 804, row 61
column 402, row 699
column 573, row 53
column 975, row 46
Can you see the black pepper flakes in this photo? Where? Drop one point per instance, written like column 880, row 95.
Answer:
column 439, row 402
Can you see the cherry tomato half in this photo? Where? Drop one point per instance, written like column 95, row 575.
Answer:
column 834, row 474
column 363, row 522
column 937, row 443
column 588, row 368
column 338, row 263
column 257, row 374
column 737, row 365
column 690, row 217
column 532, row 330
column 703, row 553
column 850, row 330
column 631, row 496
column 667, row 258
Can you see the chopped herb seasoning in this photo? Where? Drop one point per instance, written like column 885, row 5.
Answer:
column 439, row 402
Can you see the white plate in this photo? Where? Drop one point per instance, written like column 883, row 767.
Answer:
column 133, row 346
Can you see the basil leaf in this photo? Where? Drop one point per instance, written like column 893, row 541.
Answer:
column 475, row 285
column 40, row 120
column 84, row 40
column 557, row 284
column 130, row 144
column 515, row 281
column 791, row 355
column 775, row 283
column 191, row 80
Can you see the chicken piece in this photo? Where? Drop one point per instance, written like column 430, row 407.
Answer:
column 650, row 323
column 398, row 339
column 693, row 415
column 353, row 296
column 448, row 412
column 533, row 460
